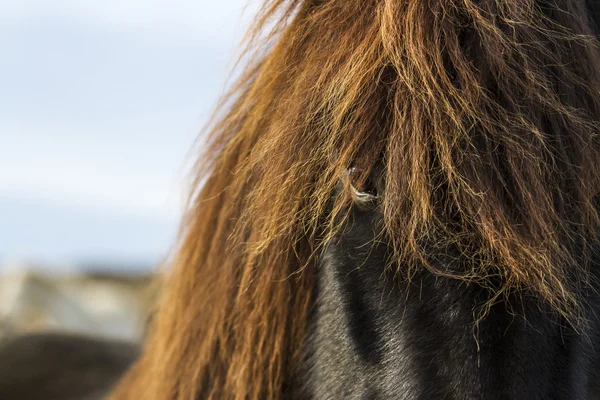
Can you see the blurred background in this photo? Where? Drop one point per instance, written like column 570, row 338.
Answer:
column 100, row 104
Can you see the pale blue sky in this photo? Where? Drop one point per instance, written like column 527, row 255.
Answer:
column 100, row 102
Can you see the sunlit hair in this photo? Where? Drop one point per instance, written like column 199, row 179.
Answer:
column 483, row 115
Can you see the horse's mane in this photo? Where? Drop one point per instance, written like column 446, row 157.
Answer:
column 484, row 115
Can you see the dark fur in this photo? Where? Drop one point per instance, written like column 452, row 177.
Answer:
column 61, row 366
column 377, row 336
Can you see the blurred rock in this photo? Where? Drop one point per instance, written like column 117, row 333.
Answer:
column 107, row 305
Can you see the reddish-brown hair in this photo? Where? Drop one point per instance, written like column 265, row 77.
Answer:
column 484, row 115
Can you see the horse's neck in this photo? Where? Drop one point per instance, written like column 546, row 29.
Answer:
column 374, row 338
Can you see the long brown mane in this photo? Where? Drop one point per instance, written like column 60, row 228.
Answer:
column 484, row 114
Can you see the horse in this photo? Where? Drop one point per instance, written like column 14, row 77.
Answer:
column 62, row 366
column 82, row 361
column 396, row 199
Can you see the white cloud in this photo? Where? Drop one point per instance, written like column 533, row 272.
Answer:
column 129, row 168
column 100, row 103
column 77, row 107
column 199, row 17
